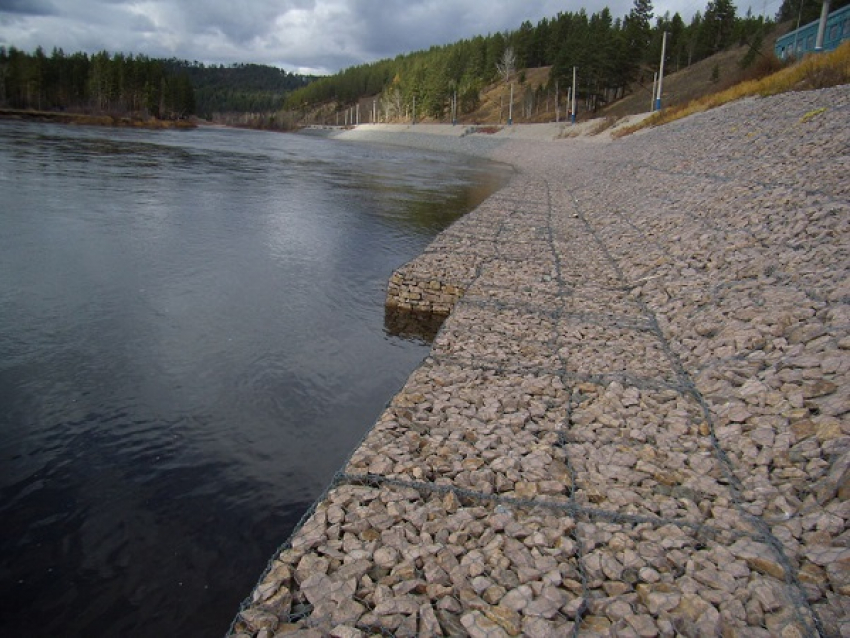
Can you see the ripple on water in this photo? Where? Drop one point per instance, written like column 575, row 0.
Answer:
column 191, row 343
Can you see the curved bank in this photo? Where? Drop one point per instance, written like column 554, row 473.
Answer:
column 635, row 420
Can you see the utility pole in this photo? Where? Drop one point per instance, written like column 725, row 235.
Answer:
column 824, row 14
column 573, row 110
column 454, row 115
column 557, row 104
column 661, row 71
column 652, row 96
column 511, row 107
column 414, row 109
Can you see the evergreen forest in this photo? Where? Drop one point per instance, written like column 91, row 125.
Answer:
column 138, row 85
column 609, row 53
column 239, row 88
column 101, row 83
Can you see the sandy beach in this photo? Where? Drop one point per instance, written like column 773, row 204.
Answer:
column 635, row 420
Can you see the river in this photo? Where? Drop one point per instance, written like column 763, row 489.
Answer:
column 191, row 343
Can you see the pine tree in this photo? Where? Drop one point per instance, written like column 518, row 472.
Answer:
column 638, row 33
column 718, row 25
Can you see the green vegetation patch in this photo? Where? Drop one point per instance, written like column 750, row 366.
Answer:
column 808, row 117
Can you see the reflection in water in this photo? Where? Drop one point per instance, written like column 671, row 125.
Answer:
column 412, row 325
column 187, row 320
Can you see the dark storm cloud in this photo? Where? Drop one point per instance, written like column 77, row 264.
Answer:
column 27, row 7
column 240, row 22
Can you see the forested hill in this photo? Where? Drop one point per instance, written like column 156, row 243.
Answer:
column 101, row 83
column 238, row 88
column 610, row 53
column 137, row 85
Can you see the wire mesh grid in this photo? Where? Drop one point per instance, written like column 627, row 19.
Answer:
column 468, row 513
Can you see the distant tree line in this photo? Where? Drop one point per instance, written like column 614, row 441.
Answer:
column 140, row 86
column 610, row 53
column 101, row 83
column 238, row 88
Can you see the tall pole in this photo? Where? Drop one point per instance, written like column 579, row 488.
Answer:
column 573, row 110
column 557, row 104
column 652, row 97
column 414, row 109
column 374, row 111
column 824, row 14
column 454, row 108
column 511, row 107
column 661, row 71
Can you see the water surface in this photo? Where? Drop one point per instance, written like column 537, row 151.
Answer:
column 191, row 343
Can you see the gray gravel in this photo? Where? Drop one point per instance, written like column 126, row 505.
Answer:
column 636, row 419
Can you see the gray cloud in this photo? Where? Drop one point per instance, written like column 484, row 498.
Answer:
column 27, row 7
column 307, row 35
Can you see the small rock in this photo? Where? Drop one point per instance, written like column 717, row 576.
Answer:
column 758, row 557
column 478, row 625
column 342, row 631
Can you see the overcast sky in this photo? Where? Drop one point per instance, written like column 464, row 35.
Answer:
column 307, row 36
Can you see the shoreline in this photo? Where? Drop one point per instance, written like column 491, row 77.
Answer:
column 476, row 140
column 84, row 119
column 636, row 418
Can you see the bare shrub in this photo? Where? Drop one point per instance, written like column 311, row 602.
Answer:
column 763, row 66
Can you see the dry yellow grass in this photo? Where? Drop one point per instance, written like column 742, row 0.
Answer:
column 813, row 72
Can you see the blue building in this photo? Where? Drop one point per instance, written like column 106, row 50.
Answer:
column 801, row 41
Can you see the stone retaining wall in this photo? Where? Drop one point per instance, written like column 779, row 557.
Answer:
column 410, row 289
column 635, row 420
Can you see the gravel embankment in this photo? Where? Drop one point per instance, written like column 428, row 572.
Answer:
column 636, row 420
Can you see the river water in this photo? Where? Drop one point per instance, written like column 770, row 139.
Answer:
column 191, row 343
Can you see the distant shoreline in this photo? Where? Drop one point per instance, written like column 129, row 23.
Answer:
column 468, row 139
column 84, row 119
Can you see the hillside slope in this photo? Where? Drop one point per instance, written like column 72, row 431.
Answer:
column 534, row 103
